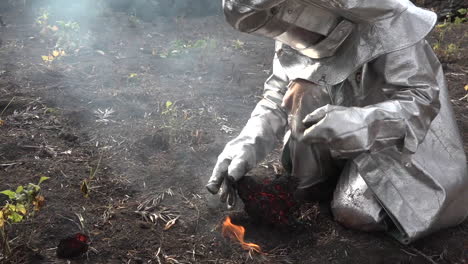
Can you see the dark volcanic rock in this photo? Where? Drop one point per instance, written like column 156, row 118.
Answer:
column 269, row 199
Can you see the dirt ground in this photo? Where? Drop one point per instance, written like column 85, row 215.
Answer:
column 151, row 105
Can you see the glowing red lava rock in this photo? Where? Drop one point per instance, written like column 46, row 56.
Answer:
column 269, row 199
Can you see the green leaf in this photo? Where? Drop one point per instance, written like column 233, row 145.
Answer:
column 457, row 21
column 168, row 104
column 201, row 43
column 15, row 217
column 11, row 194
column 19, row 189
column 32, row 189
column 42, row 179
column 10, row 207
column 20, row 197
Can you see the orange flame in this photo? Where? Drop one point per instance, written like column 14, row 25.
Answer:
column 236, row 232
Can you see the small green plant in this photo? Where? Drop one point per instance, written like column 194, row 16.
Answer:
column 452, row 19
column 43, row 18
column 238, row 44
column 51, row 110
column 21, row 204
column 183, row 47
column 69, row 26
column 459, row 17
column 200, row 44
column 68, row 36
column 448, row 52
column 452, row 49
column 461, row 12
column 133, row 21
column 173, row 121
column 169, row 108
column 86, row 183
column 133, row 79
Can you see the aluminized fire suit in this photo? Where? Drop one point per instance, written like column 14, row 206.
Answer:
column 372, row 96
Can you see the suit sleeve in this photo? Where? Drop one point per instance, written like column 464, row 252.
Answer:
column 408, row 79
column 268, row 120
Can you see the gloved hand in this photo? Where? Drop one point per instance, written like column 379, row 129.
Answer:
column 237, row 158
column 256, row 140
column 349, row 131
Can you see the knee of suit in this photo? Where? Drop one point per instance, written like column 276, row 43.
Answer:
column 356, row 215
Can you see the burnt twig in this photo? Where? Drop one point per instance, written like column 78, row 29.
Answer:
column 152, row 211
column 13, row 98
column 424, row 255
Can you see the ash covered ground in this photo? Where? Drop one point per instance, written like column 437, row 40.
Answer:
column 139, row 110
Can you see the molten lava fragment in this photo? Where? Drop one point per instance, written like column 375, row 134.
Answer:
column 269, row 199
column 73, row 246
column 236, row 232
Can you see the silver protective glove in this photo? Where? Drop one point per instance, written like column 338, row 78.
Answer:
column 255, row 141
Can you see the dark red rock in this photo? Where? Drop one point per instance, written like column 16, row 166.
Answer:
column 269, row 199
column 73, row 246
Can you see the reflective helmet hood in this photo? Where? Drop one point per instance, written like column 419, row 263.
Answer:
column 370, row 28
column 308, row 28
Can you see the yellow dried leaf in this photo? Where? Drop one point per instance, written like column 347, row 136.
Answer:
column 2, row 219
column 84, row 188
column 2, row 122
column 466, row 87
column 170, row 223
column 55, row 53
column 21, row 209
column 62, row 53
column 48, row 58
column 133, row 75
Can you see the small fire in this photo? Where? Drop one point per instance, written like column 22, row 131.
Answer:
column 236, row 232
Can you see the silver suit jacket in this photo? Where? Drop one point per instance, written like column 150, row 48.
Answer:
column 412, row 158
column 421, row 181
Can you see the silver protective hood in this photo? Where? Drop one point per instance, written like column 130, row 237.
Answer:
column 382, row 27
column 324, row 41
column 310, row 29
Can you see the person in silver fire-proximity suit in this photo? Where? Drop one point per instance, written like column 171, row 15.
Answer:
column 364, row 101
